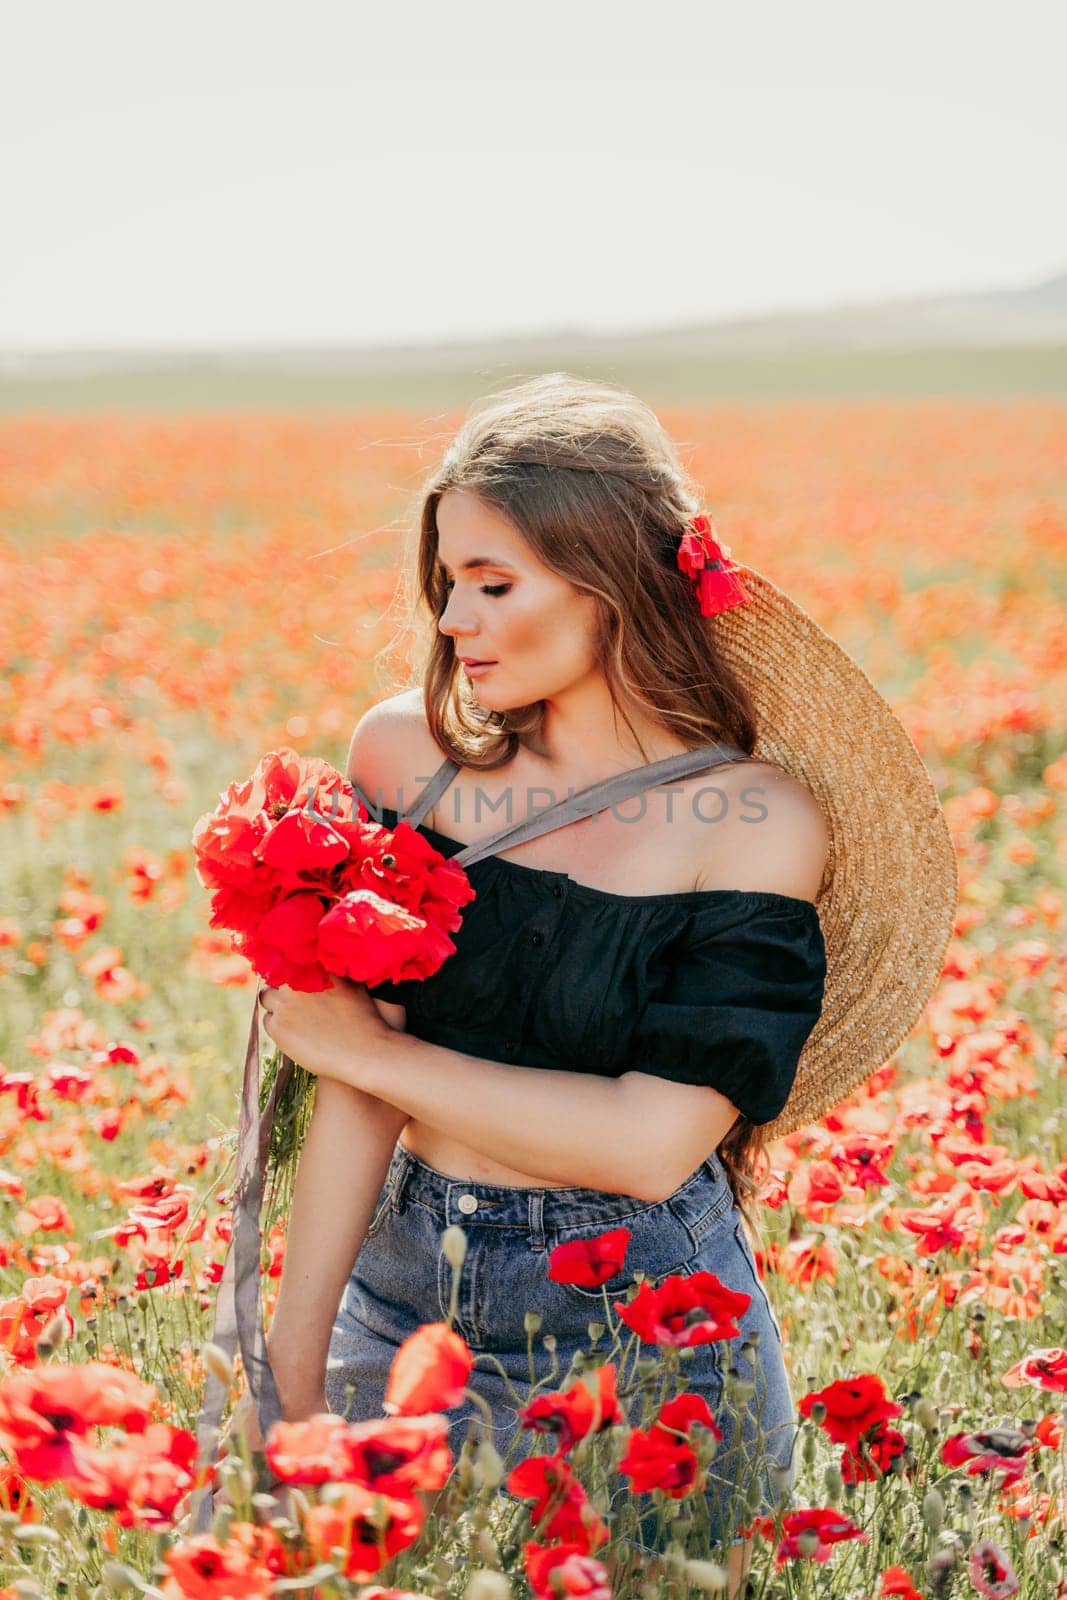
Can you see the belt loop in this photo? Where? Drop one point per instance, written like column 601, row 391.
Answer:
column 537, row 1219
column 401, row 1167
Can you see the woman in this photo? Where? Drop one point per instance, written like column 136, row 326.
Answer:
column 622, row 1025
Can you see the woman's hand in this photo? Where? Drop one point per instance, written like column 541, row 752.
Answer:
column 244, row 1426
column 329, row 1033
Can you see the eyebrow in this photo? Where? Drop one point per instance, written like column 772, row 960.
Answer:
column 479, row 561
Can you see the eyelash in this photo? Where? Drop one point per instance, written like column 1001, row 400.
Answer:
column 495, row 589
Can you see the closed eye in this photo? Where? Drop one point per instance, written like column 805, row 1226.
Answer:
column 488, row 588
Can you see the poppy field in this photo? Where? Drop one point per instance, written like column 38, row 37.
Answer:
column 179, row 595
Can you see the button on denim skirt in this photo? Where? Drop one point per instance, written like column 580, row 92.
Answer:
column 402, row 1279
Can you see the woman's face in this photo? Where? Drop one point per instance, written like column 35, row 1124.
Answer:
column 532, row 624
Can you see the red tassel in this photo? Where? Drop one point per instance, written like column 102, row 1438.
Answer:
column 718, row 585
column 719, row 589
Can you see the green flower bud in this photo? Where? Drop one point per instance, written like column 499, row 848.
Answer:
column 707, row 1576
column 454, row 1245
column 488, row 1465
column 487, row 1586
column 926, row 1414
column 933, row 1511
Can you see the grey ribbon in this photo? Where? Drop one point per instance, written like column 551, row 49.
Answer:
column 588, row 801
column 238, row 1313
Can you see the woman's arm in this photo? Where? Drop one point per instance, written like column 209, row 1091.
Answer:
column 636, row 1134
column 343, row 1164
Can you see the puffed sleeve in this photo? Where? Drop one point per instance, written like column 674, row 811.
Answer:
column 741, row 990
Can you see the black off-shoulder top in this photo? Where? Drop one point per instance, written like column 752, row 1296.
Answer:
column 715, row 986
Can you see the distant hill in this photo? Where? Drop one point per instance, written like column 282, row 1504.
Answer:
column 986, row 344
column 981, row 319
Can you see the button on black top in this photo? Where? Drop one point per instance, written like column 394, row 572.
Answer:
column 557, row 890
column 537, row 937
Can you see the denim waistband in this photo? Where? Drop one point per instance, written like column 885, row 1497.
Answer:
column 513, row 1206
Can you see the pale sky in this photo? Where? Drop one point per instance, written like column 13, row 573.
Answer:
column 246, row 171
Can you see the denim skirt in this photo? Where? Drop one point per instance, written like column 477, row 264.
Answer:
column 401, row 1279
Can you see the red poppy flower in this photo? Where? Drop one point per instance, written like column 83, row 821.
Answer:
column 681, row 1413
column 563, row 1570
column 38, row 1405
column 829, row 1527
column 310, row 1451
column 885, row 1446
column 1003, row 1450
column 373, row 940
column 140, row 1478
column 368, row 1527
column 658, row 1461
column 561, row 1508
column 590, row 1262
column 896, row 1583
column 686, row 1311
column 853, row 1405
column 202, row 1569
column 400, row 1455
column 429, row 1372
column 573, row 1413
column 1045, row 1369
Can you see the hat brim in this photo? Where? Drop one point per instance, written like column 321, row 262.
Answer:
column 888, row 903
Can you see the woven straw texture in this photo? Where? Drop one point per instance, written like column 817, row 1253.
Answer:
column 888, row 901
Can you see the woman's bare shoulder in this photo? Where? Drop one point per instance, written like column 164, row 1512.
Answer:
column 392, row 752
column 785, row 852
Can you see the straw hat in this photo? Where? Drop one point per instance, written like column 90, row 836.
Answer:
column 888, row 900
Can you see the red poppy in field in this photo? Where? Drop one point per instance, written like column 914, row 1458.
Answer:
column 897, row 1585
column 309, row 1451
column 853, row 1405
column 558, row 1571
column 1003, row 1450
column 830, row 1528
column 590, row 1262
column 202, row 1569
column 401, row 1454
column 1045, row 1369
column 41, row 1405
column 680, row 1414
column 561, row 1508
column 139, row 1478
column 945, row 1226
column 991, row 1572
column 686, row 1311
column 885, row 1444
column 429, row 1372
column 369, row 1527
column 265, row 1547
column 659, row 1461
column 573, row 1413
column 15, row 1494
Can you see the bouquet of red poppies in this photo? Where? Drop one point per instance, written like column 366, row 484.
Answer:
column 312, row 890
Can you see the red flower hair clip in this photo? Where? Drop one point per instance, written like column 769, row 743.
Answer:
column 702, row 559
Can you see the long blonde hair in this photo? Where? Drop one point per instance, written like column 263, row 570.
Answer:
column 588, row 476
